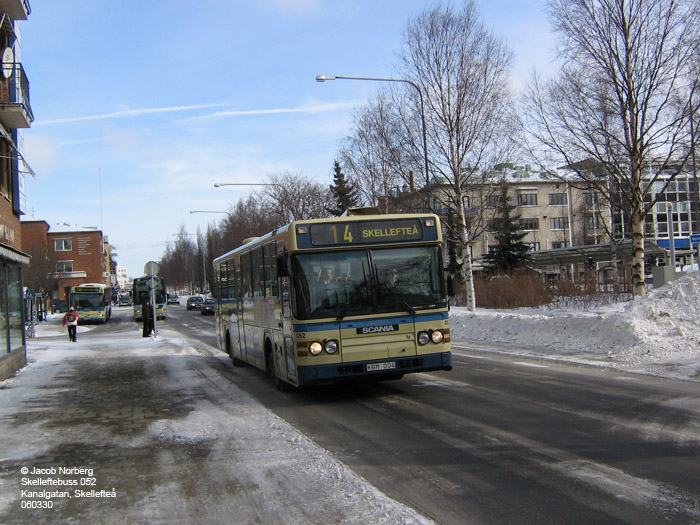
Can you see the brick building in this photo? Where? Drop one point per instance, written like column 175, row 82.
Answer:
column 15, row 114
column 72, row 255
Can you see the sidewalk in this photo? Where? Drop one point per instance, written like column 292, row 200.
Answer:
column 118, row 428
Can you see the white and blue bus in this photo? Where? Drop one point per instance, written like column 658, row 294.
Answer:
column 92, row 301
column 141, row 291
column 324, row 300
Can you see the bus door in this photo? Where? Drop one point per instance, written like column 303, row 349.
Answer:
column 238, row 334
column 288, row 349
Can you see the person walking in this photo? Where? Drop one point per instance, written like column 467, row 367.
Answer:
column 70, row 320
column 147, row 318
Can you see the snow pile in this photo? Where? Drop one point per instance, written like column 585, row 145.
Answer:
column 658, row 333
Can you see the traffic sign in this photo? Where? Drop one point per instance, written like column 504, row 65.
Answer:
column 151, row 269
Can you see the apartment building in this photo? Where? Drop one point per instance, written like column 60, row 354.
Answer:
column 553, row 213
column 15, row 114
column 567, row 224
column 72, row 255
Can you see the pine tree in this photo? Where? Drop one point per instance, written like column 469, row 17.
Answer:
column 344, row 193
column 509, row 251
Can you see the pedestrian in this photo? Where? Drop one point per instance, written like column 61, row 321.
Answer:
column 147, row 317
column 70, row 320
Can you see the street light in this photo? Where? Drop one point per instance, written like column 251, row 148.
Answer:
column 219, row 184
column 209, row 211
column 323, row 78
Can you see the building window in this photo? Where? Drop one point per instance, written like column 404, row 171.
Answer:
column 534, row 246
column 527, row 199
column 557, row 199
column 532, row 224
column 5, row 168
column 591, row 221
column 558, row 223
column 559, row 244
column 491, row 201
column 64, row 266
column 63, row 245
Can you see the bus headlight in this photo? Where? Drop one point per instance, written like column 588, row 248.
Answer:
column 437, row 336
column 315, row 348
column 423, row 338
column 331, row 346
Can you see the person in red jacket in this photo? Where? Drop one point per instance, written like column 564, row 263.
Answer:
column 70, row 319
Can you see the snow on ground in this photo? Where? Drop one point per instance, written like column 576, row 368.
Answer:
column 276, row 453
column 658, row 334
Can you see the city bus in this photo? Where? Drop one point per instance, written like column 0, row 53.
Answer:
column 92, row 301
column 141, row 291
column 325, row 300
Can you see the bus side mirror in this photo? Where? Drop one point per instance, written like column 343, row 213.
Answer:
column 451, row 286
column 283, row 264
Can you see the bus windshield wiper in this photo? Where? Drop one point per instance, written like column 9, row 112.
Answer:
column 403, row 303
column 343, row 311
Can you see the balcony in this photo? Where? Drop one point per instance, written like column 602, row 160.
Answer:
column 16, row 9
column 15, row 109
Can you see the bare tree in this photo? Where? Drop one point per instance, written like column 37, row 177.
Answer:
column 290, row 197
column 178, row 265
column 376, row 155
column 623, row 100
column 462, row 70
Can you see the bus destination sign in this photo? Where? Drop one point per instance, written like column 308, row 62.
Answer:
column 366, row 232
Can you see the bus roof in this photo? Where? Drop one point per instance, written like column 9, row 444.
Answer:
column 345, row 219
column 91, row 285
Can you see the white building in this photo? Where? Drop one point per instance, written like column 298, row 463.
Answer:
column 122, row 277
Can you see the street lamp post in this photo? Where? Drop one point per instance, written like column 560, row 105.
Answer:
column 219, row 184
column 323, row 78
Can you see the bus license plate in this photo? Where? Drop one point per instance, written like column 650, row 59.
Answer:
column 373, row 367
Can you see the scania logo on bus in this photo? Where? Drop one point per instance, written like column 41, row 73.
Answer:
column 378, row 329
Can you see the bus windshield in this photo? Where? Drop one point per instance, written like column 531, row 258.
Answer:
column 88, row 301
column 358, row 282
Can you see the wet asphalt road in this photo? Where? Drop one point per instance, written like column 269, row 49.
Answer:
column 510, row 440
column 496, row 440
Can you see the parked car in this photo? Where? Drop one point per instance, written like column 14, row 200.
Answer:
column 173, row 298
column 208, row 307
column 194, row 302
column 125, row 300
column 60, row 307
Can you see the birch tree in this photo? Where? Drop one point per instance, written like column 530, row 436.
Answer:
column 623, row 99
column 462, row 70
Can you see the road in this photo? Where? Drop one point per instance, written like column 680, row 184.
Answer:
column 506, row 440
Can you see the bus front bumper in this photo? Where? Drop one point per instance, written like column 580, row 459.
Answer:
column 386, row 368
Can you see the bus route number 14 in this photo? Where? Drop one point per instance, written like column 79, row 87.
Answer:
column 347, row 234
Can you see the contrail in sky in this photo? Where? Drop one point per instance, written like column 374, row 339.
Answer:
column 127, row 113
column 320, row 108
column 219, row 114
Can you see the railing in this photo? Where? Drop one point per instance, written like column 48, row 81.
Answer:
column 17, row 90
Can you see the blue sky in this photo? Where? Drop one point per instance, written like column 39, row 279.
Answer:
column 141, row 106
